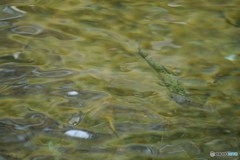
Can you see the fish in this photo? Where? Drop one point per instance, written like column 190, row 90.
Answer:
column 169, row 80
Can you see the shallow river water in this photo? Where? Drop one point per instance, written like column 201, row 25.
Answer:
column 73, row 86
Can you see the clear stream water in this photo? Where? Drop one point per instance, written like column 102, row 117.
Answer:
column 73, row 86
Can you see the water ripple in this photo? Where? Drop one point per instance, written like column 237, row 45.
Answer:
column 9, row 135
column 8, row 73
column 71, row 103
column 26, row 30
column 82, row 95
column 140, row 149
column 7, row 13
column 52, row 74
column 36, row 121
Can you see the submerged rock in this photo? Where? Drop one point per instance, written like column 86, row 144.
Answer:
column 78, row 134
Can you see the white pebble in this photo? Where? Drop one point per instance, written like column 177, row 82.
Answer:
column 72, row 93
column 78, row 134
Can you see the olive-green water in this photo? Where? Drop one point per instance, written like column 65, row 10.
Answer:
column 73, row 86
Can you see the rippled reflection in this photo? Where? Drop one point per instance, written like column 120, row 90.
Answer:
column 82, row 95
column 26, row 30
column 9, row 73
column 17, row 72
column 52, row 74
column 72, row 85
column 8, row 13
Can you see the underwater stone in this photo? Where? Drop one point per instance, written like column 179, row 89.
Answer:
column 78, row 134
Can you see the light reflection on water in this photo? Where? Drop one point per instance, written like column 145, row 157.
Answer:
column 73, row 85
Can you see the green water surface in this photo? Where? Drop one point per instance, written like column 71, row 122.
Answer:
column 73, row 65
